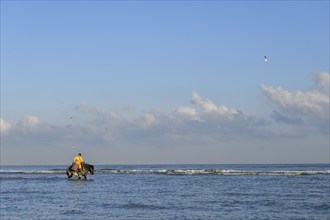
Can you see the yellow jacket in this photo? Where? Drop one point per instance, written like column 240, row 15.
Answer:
column 78, row 160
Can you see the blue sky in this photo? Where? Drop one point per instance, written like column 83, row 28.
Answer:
column 164, row 81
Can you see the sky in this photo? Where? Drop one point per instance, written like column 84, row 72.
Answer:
column 164, row 82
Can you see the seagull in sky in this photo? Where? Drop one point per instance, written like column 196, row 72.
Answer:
column 265, row 59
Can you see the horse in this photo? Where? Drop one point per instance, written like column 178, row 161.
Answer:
column 83, row 172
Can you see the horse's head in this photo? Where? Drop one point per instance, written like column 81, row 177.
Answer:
column 91, row 169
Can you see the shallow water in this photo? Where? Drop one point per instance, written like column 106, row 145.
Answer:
column 167, row 192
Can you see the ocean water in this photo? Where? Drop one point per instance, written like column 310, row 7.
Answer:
column 167, row 192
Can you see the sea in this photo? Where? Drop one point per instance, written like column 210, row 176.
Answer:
column 267, row 191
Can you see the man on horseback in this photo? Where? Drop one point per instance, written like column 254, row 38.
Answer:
column 79, row 167
column 78, row 160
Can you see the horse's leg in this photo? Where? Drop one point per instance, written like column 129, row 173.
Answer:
column 85, row 177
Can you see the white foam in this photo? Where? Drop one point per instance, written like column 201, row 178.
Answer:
column 187, row 172
column 33, row 171
column 217, row 172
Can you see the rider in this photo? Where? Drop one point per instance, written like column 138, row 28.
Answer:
column 78, row 160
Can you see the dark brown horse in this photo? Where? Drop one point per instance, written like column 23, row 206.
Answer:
column 79, row 173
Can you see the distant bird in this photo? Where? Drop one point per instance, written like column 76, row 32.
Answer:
column 265, row 59
column 71, row 118
column 107, row 129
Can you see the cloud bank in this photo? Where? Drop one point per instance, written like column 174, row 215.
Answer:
column 295, row 114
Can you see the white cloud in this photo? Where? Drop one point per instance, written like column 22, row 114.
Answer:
column 212, row 121
column 310, row 107
column 209, row 107
column 204, row 110
column 147, row 120
column 187, row 112
column 309, row 102
column 30, row 121
column 322, row 80
column 5, row 126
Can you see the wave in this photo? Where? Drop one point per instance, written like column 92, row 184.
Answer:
column 32, row 171
column 184, row 172
column 218, row 172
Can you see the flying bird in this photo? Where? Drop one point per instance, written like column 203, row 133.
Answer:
column 265, row 58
